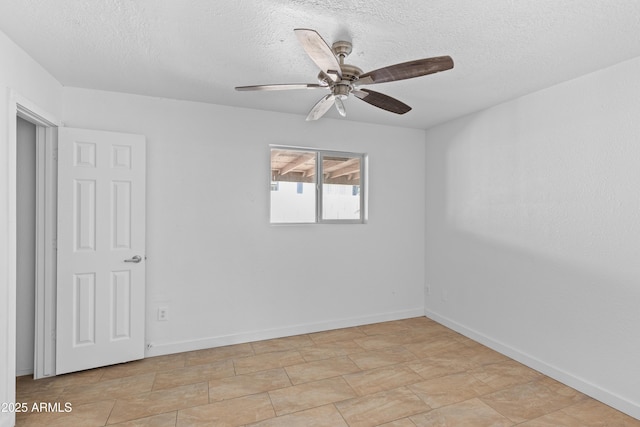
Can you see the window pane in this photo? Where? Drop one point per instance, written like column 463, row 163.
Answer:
column 341, row 187
column 293, row 190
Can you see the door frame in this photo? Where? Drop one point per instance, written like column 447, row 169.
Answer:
column 46, row 123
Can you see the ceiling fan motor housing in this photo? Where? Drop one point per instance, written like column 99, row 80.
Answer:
column 350, row 73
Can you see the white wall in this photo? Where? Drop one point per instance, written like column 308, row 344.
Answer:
column 224, row 273
column 26, row 246
column 19, row 75
column 533, row 230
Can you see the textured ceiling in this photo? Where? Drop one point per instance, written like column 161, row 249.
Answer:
column 200, row 49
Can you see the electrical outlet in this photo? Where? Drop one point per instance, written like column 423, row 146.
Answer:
column 163, row 313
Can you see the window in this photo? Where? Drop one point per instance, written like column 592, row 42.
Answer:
column 316, row 186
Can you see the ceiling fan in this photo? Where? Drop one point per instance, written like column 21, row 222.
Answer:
column 343, row 79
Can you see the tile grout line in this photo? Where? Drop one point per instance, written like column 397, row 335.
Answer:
column 339, row 412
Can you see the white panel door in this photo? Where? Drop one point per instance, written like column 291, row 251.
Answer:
column 101, row 249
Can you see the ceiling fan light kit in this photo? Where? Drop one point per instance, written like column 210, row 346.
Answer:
column 343, row 79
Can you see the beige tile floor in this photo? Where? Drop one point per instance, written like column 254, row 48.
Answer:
column 404, row 373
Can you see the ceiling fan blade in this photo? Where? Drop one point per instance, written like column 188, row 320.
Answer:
column 321, row 107
column 381, row 100
column 407, row 70
column 282, row 87
column 340, row 107
column 319, row 51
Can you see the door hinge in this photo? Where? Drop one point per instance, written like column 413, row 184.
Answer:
column 55, row 154
column 55, row 244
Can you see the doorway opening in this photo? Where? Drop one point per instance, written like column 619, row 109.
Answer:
column 25, row 245
column 35, row 260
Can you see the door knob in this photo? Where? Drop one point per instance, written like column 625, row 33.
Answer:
column 135, row 259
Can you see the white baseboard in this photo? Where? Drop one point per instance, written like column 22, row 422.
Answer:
column 586, row 387
column 162, row 348
column 22, row 372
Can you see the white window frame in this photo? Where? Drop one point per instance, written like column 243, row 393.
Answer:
column 320, row 153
